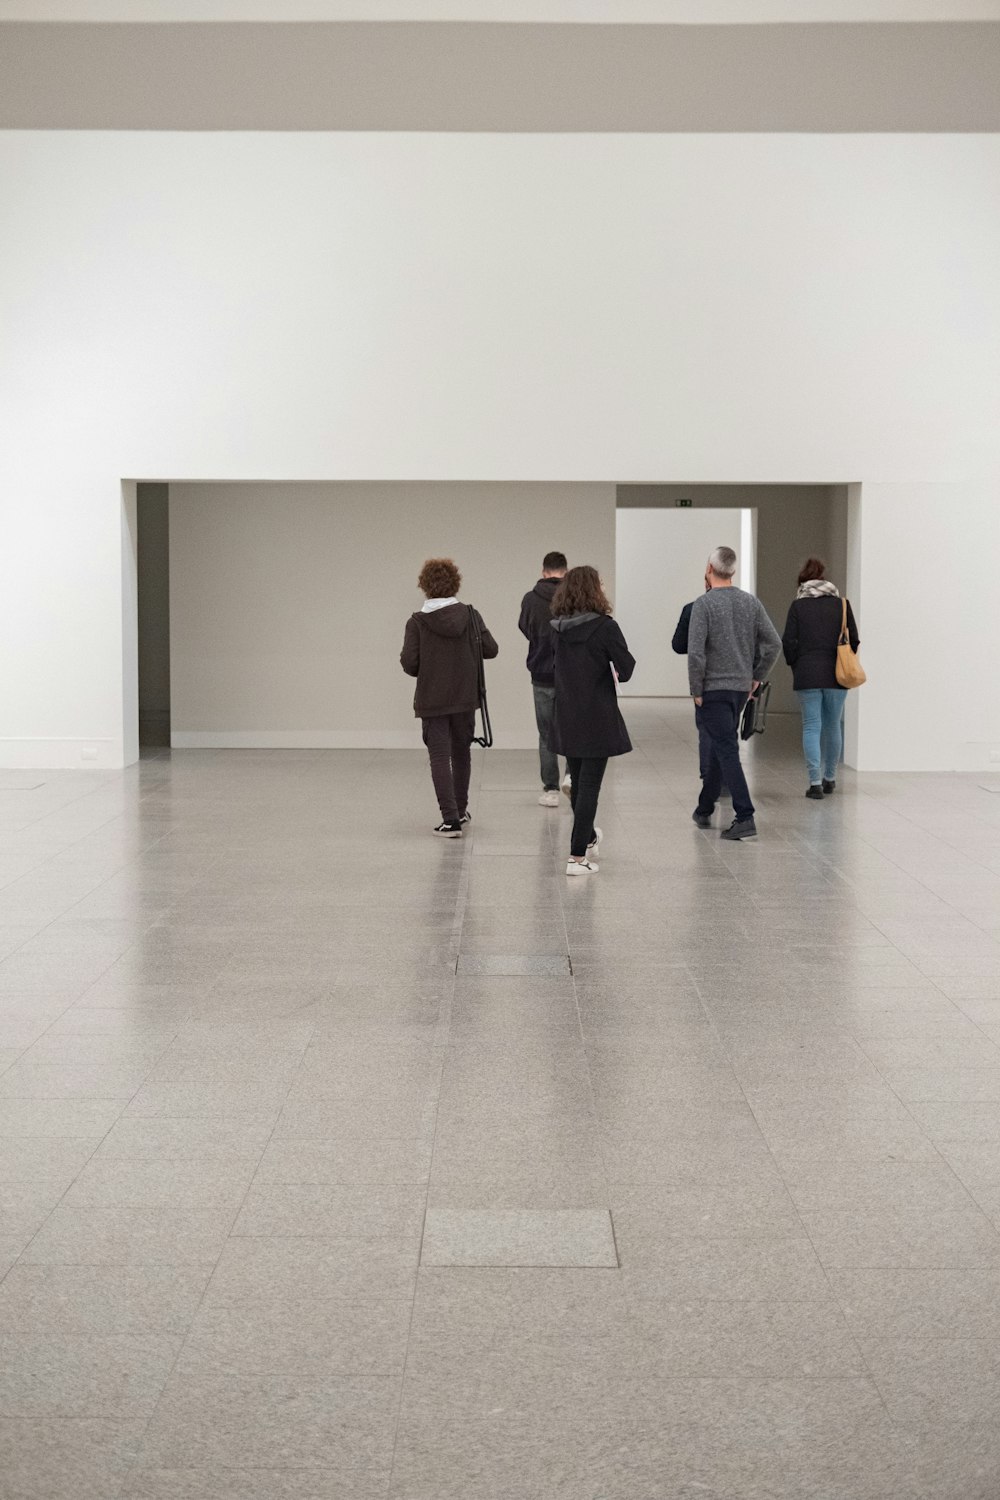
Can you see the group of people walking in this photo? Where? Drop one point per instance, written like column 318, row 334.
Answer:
column 577, row 655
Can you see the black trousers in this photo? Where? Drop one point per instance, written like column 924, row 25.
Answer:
column 705, row 754
column 448, row 738
column 718, row 718
column 586, row 774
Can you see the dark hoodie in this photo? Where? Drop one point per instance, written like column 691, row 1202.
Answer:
column 587, row 719
column 439, row 651
column 536, row 616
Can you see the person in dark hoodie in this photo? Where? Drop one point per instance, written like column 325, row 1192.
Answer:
column 439, row 650
column 679, row 644
column 587, row 727
column 535, row 620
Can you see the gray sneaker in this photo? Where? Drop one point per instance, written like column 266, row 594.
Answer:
column 739, row 830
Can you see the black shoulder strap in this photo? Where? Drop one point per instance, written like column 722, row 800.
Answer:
column 475, row 626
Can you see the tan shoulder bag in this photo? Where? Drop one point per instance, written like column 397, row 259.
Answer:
column 850, row 673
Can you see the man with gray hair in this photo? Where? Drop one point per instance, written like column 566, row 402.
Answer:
column 732, row 646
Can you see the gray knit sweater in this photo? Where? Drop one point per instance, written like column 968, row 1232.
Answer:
column 731, row 643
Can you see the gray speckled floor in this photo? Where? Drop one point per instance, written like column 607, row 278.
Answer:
column 338, row 1161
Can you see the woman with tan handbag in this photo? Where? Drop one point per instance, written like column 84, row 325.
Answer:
column 820, row 645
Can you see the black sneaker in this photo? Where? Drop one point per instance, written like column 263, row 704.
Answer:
column 740, row 829
column 703, row 820
column 466, row 817
column 828, row 787
column 448, row 830
column 815, row 792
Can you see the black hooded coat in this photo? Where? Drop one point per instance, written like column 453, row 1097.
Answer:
column 588, row 721
column 439, row 651
column 536, row 617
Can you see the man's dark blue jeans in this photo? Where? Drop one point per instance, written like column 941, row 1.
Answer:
column 718, row 721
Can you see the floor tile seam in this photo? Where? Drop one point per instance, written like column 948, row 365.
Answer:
column 80, row 796
column 23, row 874
column 458, row 923
column 133, row 1468
column 837, row 1298
column 924, row 978
column 124, row 1105
column 917, row 879
column 101, row 883
column 105, row 971
column 62, row 917
column 927, row 834
column 935, row 1145
column 803, row 1227
column 599, row 1137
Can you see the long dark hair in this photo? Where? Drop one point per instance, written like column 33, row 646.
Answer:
column 581, row 592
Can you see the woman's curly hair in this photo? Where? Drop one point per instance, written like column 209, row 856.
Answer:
column 580, row 592
column 439, row 578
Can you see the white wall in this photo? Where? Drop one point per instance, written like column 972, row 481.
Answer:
column 661, row 556
column 318, row 307
column 852, row 573
column 790, row 522
column 288, row 601
column 931, row 629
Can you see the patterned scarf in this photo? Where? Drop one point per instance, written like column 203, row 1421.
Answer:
column 816, row 588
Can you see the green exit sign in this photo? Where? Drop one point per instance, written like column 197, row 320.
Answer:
column 683, row 504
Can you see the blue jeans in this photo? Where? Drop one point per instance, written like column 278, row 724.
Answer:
column 545, row 707
column 822, row 730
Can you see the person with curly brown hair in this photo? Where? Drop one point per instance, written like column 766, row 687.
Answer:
column 439, row 650
column 587, row 725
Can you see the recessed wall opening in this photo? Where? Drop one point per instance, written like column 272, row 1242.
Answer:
column 665, row 533
column 153, row 606
column 288, row 600
column 270, row 614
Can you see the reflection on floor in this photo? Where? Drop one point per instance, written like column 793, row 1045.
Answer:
column 292, row 1209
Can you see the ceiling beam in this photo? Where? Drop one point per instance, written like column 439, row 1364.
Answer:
column 461, row 77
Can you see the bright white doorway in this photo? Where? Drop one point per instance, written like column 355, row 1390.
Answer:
column 661, row 554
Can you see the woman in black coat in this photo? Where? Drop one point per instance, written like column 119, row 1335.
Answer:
column 812, row 630
column 590, row 653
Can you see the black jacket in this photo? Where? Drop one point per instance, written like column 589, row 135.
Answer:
column 587, row 720
column 439, row 651
column 680, row 640
column 810, row 640
column 536, row 617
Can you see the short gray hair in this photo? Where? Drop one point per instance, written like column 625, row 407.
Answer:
column 723, row 562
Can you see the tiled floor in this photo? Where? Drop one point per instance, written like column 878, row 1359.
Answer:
column 310, row 1136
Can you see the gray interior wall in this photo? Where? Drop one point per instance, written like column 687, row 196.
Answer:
column 153, row 568
column 793, row 520
column 289, row 600
column 280, row 72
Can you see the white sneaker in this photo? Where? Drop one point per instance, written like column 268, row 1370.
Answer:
column 567, row 785
column 549, row 799
column 595, row 842
column 581, row 867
